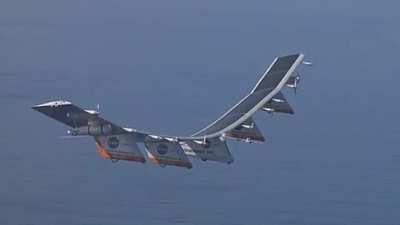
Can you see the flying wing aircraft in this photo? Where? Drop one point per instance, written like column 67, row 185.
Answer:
column 119, row 143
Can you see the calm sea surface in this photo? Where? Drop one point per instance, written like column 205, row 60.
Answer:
column 173, row 67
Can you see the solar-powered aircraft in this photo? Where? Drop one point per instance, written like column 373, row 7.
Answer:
column 209, row 144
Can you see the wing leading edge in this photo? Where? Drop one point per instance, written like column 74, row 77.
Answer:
column 209, row 144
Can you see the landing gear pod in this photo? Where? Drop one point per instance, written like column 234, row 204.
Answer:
column 119, row 147
column 163, row 152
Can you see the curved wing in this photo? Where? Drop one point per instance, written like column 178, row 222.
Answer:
column 118, row 143
column 270, row 84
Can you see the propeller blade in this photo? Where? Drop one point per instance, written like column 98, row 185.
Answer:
column 69, row 137
column 308, row 63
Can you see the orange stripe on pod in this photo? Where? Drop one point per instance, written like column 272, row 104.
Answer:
column 101, row 150
column 126, row 156
column 174, row 162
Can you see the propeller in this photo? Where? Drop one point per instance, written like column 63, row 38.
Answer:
column 296, row 81
column 297, row 78
column 308, row 63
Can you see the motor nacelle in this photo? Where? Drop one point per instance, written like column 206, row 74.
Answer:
column 93, row 130
column 93, row 112
column 293, row 81
column 205, row 143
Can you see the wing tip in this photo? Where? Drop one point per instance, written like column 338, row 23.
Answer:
column 52, row 104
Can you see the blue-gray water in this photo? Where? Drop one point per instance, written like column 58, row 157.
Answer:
column 172, row 67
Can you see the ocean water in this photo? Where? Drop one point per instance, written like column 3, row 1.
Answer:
column 174, row 66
